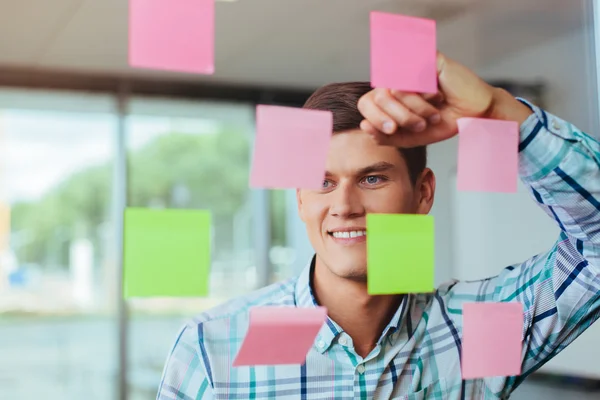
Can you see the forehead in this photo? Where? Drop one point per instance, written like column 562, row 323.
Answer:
column 355, row 149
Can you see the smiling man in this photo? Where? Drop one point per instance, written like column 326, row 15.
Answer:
column 409, row 346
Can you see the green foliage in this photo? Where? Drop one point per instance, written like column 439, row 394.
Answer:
column 278, row 218
column 211, row 169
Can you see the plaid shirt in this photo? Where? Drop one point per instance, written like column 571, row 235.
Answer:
column 419, row 353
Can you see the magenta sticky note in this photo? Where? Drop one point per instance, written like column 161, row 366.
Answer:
column 174, row 35
column 280, row 335
column 488, row 155
column 290, row 148
column 491, row 343
column 403, row 53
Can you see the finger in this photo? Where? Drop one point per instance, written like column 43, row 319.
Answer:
column 434, row 98
column 368, row 127
column 444, row 130
column 400, row 113
column 375, row 115
column 378, row 136
column 418, row 105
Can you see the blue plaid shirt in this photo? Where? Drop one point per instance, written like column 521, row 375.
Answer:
column 419, row 353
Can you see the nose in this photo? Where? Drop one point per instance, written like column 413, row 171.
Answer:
column 346, row 201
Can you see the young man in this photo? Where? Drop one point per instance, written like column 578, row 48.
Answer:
column 409, row 346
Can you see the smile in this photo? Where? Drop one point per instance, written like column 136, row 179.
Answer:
column 348, row 234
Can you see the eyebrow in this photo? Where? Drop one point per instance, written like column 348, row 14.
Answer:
column 377, row 167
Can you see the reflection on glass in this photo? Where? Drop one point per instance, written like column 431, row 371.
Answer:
column 57, row 280
column 192, row 156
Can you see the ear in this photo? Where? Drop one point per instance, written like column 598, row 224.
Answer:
column 300, row 205
column 425, row 191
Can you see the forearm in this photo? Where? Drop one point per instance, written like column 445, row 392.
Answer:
column 561, row 165
column 505, row 107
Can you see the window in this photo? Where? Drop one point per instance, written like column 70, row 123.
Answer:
column 60, row 205
column 191, row 155
column 57, row 274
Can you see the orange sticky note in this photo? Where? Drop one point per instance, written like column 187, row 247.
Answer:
column 488, row 155
column 403, row 53
column 491, row 344
column 280, row 335
column 174, row 35
column 4, row 226
column 290, row 149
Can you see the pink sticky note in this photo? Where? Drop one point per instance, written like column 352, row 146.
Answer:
column 491, row 344
column 172, row 35
column 280, row 335
column 290, row 149
column 488, row 155
column 403, row 53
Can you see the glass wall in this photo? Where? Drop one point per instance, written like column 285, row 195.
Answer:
column 59, row 270
column 57, row 277
column 192, row 155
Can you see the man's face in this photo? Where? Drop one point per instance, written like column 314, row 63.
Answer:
column 362, row 177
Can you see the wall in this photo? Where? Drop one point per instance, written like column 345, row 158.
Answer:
column 479, row 234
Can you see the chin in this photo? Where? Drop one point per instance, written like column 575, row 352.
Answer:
column 352, row 271
column 345, row 265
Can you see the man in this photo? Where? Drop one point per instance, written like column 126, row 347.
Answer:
column 409, row 346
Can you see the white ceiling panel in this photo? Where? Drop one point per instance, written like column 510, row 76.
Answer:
column 295, row 43
column 95, row 37
column 29, row 26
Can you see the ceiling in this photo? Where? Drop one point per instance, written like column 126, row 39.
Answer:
column 286, row 43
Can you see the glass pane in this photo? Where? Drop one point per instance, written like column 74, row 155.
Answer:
column 193, row 156
column 542, row 51
column 57, row 276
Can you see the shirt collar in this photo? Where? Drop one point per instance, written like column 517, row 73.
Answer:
column 304, row 297
column 400, row 317
column 303, row 294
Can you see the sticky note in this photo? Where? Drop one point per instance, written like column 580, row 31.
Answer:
column 491, row 344
column 290, row 148
column 400, row 253
column 4, row 226
column 280, row 335
column 166, row 252
column 172, row 35
column 403, row 53
column 488, row 155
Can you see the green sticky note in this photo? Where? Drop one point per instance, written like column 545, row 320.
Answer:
column 400, row 253
column 166, row 253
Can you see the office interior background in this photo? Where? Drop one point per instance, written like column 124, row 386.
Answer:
column 82, row 136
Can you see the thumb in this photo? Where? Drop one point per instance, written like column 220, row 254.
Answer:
column 441, row 62
column 464, row 91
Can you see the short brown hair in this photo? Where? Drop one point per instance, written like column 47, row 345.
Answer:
column 342, row 99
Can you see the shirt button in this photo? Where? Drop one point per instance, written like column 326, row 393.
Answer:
column 342, row 341
column 361, row 369
column 320, row 344
column 556, row 125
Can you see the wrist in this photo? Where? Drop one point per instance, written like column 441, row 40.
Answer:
column 505, row 107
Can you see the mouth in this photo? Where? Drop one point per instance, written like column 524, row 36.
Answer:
column 348, row 236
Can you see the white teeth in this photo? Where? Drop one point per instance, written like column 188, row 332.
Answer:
column 349, row 234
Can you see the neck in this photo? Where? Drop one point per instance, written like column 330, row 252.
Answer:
column 362, row 316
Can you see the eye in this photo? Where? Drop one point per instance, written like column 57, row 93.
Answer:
column 374, row 179
column 327, row 184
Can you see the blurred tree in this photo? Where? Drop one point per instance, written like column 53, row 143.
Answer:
column 205, row 171
column 278, row 218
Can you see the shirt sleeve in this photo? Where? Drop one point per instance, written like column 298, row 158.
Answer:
column 184, row 376
column 559, row 289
